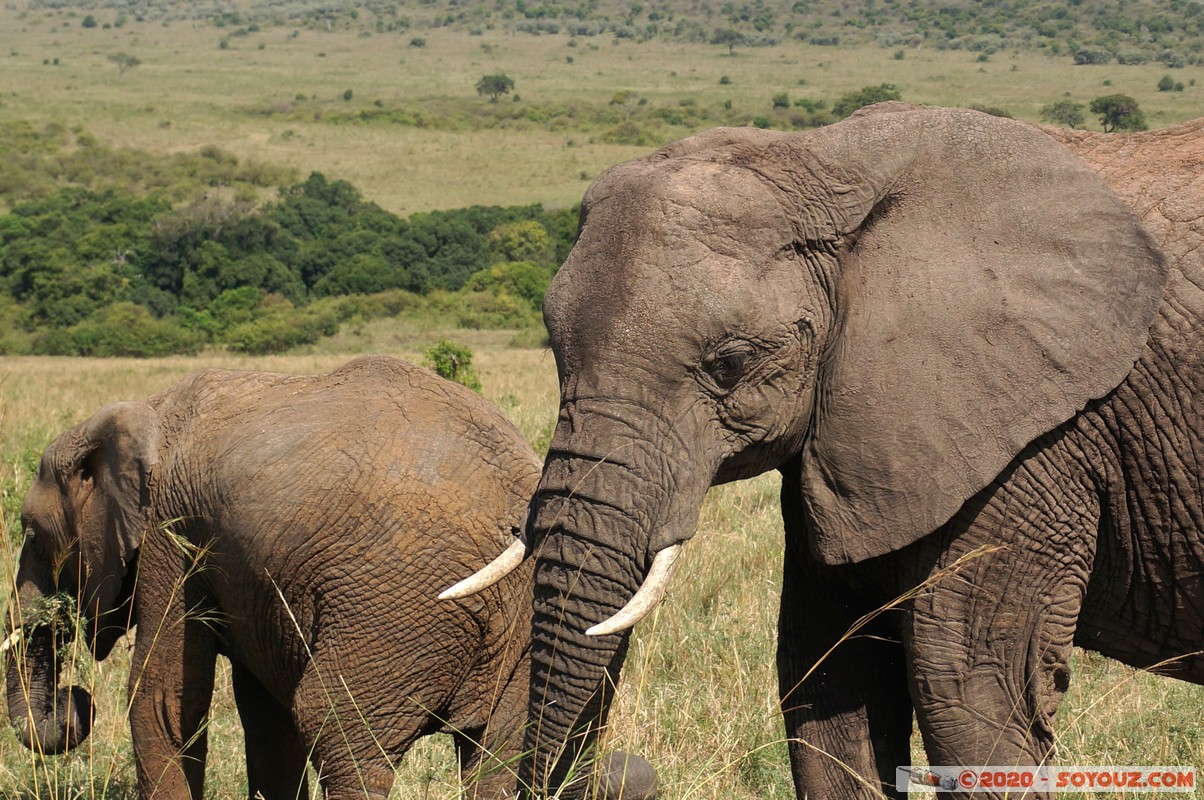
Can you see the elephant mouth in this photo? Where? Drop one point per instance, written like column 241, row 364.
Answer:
column 104, row 629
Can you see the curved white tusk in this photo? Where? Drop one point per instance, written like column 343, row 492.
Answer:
column 11, row 641
column 489, row 574
column 651, row 592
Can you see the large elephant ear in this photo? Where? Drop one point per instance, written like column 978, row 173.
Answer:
column 990, row 287
column 118, row 448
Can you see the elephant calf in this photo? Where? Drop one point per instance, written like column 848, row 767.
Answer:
column 301, row 526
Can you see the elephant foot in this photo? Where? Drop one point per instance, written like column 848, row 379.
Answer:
column 622, row 776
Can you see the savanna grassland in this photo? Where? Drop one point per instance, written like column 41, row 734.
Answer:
column 276, row 95
column 392, row 109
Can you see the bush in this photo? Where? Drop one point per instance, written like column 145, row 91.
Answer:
column 1092, row 55
column 865, row 96
column 121, row 330
column 452, row 362
column 283, row 330
column 524, row 280
column 630, row 133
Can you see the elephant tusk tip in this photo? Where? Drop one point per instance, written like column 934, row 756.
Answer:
column 456, row 592
column 605, row 629
column 491, row 573
column 650, row 593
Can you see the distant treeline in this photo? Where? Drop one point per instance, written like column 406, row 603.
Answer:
column 87, row 272
column 1171, row 31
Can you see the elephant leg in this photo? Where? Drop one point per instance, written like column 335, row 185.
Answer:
column 276, row 756
column 353, row 741
column 989, row 646
column 489, row 753
column 847, row 711
column 170, row 686
column 845, row 703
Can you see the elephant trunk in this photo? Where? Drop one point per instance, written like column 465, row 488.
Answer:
column 598, row 522
column 47, row 718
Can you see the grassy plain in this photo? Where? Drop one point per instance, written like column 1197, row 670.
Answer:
column 699, row 690
column 272, row 95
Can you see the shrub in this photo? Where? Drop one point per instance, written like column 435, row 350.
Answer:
column 522, row 279
column 452, row 362
column 122, row 330
column 525, row 240
column 631, row 133
column 1092, row 55
column 866, row 95
column 283, row 330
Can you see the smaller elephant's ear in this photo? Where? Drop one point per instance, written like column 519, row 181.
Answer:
column 990, row 287
column 119, row 446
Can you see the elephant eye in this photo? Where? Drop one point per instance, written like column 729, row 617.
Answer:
column 726, row 366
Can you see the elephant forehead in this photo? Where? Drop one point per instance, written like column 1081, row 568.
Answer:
column 661, row 209
column 663, row 247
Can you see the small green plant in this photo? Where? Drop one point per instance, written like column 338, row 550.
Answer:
column 453, row 362
column 347, row 95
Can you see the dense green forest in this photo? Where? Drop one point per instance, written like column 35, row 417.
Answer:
column 1131, row 31
column 87, row 268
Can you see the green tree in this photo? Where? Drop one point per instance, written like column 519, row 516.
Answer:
column 1118, row 112
column 525, row 240
column 728, row 38
column 495, row 86
column 453, row 362
column 866, row 95
column 522, row 279
column 124, row 62
column 1064, row 112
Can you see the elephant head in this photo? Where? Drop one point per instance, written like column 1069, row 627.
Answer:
column 896, row 304
column 84, row 518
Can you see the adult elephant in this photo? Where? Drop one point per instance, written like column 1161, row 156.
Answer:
column 299, row 526
column 977, row 370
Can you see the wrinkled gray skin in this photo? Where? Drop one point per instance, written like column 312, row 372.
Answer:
column 963, row 352
column 312, row 522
